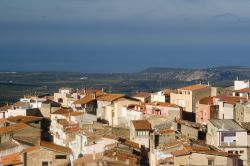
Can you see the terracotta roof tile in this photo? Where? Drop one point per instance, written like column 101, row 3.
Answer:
column 207, row 101
column 162, row 104
column 245, row 90
column 24, row 119
column 30, row 149
column 11, row 159
column 87, row 99
column 13, row 128
column 129, row 143
column 194, row 87
column 88, row 159
column 110, row 97
column 141, row 125
column 232, row 99
column 3, row 120
column 166, row 131
column 67, row 112
column 142, row 94
column 55, row 147
column 199, row 149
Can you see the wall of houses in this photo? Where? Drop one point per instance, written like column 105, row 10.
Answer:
column 212, row 137
column 242, row 112
column 33, row 134
column 46, row 110
column 183, row 100
column 158, row 97
column 198, row 95
column 205, row 112
column 118, row 105
column 35, row 157
column 202, row 159
column 101, row 108
column 141, row 140
column 226, row 111
column 16, row 112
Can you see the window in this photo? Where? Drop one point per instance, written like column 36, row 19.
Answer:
column 61, row 157
column 45, row 163
column 230, row 151
column 210, row 162
column 236, row 152
column 242, row 151
column 60, row 100
column 142, row 133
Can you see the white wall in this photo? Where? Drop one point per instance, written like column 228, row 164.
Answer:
column 241, row 84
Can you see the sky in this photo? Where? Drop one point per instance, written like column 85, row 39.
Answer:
column 103, row 36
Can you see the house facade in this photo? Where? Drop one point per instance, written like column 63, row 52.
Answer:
column 187, row 97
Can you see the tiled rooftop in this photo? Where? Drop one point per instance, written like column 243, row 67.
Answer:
column 141, row 125
column 194, row 87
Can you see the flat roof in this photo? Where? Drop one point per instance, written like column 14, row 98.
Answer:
column 226, row 124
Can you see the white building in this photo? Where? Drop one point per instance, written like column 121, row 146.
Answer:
column 241, row 84
column 129, row 113
column 227, row 135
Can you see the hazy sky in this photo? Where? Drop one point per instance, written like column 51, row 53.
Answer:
column 122, row 35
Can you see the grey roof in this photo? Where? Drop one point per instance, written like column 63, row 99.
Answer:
column 246, row 125
column 226, row 124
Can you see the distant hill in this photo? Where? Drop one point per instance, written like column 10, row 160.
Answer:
column 217, row 74
column 14, row 85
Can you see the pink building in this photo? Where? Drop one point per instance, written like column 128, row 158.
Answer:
column 206, row 109
column 171, row 111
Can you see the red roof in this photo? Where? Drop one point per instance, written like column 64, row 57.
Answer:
column 232, row 99
column 11, row 159
column 142, row 94
column 14, row 127
column 245, row 90
column 194, row 87
column 110, row 97
column 141, row 125
column 167, row 131
column 207, row 101
column 55, row 147
column 24, row 119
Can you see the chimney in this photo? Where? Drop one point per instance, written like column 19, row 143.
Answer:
column 94, row 157
column 94, row 95
column 127, row 161
column 208, row 83
column 84, row 91
column 103, row 90
column 25, row 159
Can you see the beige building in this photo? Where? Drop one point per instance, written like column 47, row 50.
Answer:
column 140, row 132
column 143, row 97
column 198, row 157
column 110, row 107
column 46, row 154
column 187, row 97
column 229, row 136
column 242, row 112
column 64, row 96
